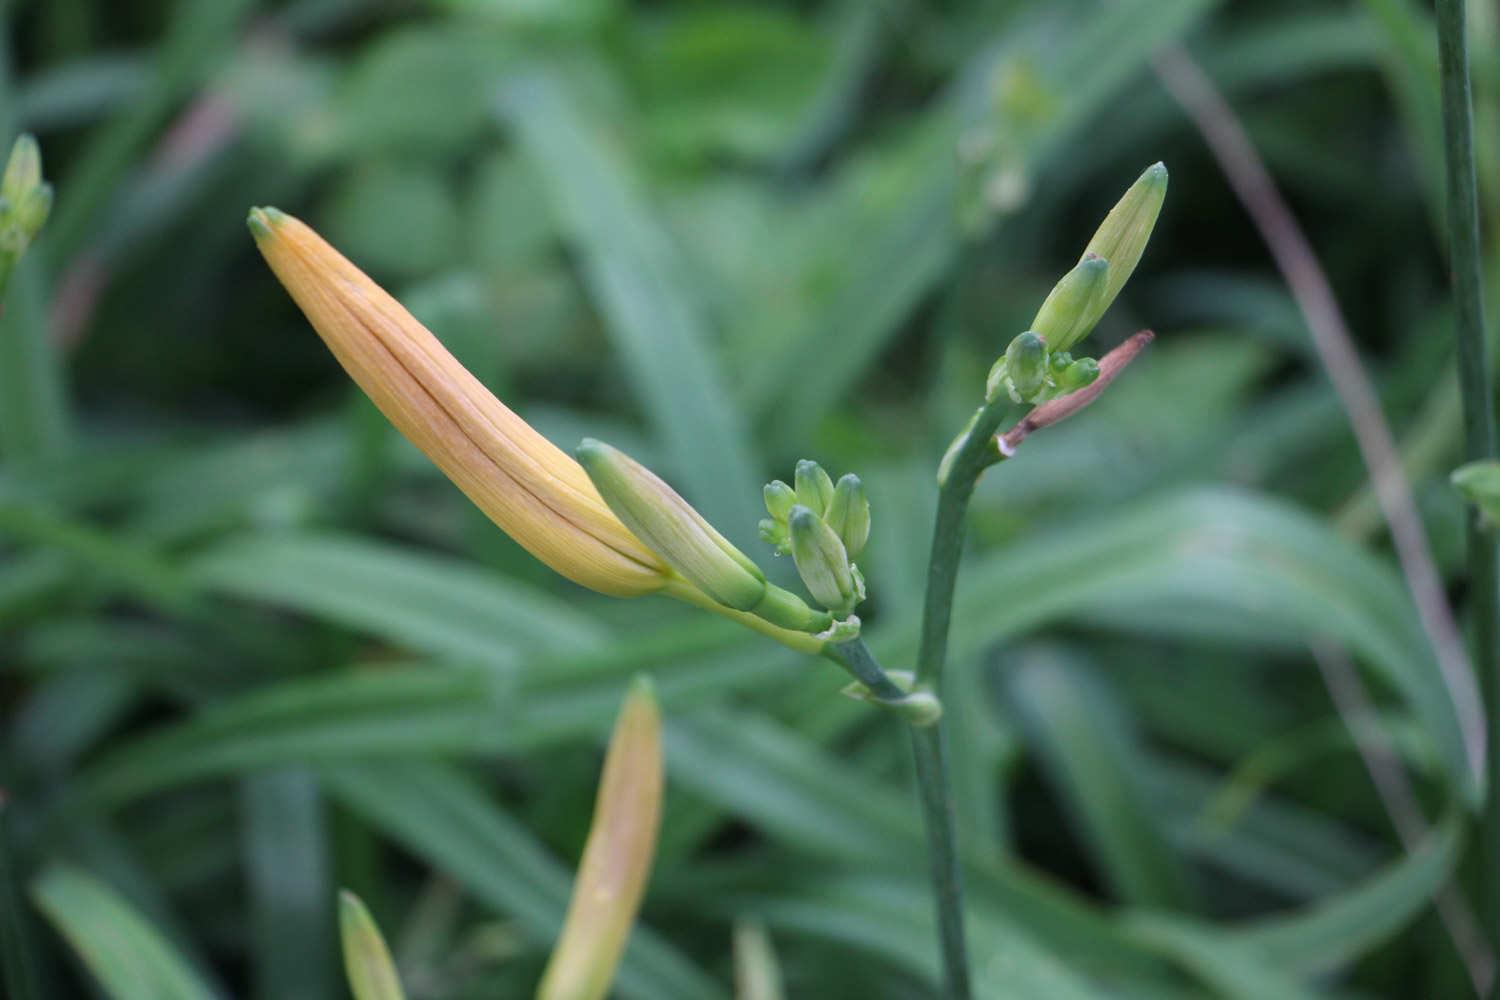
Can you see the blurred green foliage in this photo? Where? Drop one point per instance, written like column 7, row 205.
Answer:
column 253, row 647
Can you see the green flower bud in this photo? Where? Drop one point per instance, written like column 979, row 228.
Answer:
column 822, row 561
column 1026, row 365
column 849, row 514
column 367, row 961
column 32, row 211
column 1058, row 363
column 814, row 488
column 1061, row 319
column 1123, row 235
column 1479, row 482
column 780, row 499
column 23, row 171
column 25, row 201
column 1021, row 372
column 1078, row 375
column 669, row 526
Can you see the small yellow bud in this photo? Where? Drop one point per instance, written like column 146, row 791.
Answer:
column 367, row 961
column 617, row 857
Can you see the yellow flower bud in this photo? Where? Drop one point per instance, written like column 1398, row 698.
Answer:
column 534, row 491
column 617, row 857
column 367, row 961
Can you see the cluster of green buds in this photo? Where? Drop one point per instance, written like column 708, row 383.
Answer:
column 1037, row 365
column 1479, row 482
column 25, row 201
column 824, row 527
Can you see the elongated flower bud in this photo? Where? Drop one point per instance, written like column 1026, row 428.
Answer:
column 1122, row 237
column 849, row 514
column 367, row 961
column 25, row 202
column 23, row 171
column 668, row 524
column 616, row 863
column 780, row 499
column 531, row 489
column 814, row 488
column 1070, row 305
column 822, row 561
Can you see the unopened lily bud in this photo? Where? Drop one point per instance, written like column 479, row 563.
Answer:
column 822, row 561
column 617, row 857
column 814, row 487
column 1070, row 305
column 23, row 171
column 671, row 528
column 1077, row 375
column 25, row 201
column 524, row 483
column 367, row 960
column 1122, row 237
column 849, row 514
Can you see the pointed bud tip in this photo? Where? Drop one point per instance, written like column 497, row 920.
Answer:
column 1156, row 172
column 642, row 687
column 262, row 220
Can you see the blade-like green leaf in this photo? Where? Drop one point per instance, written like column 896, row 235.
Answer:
column 123, row 951
column 429, row 604
column 1092, row 756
